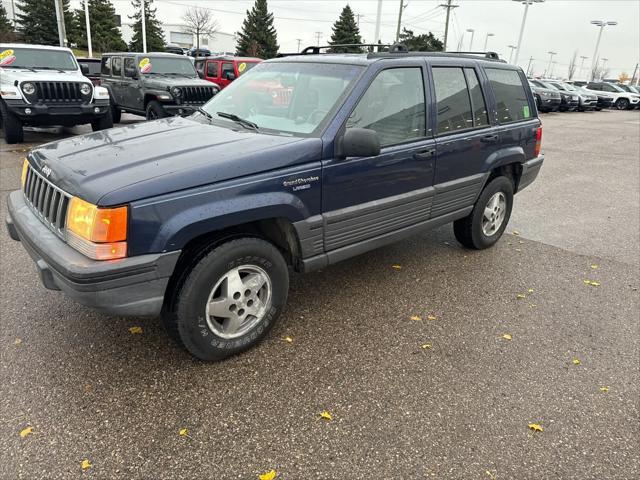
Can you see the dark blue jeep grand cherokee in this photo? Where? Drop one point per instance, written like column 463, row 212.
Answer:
column 302, row 162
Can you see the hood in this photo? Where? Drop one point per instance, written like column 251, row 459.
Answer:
column 143, row 160
column 175, row 81
column 24, row 75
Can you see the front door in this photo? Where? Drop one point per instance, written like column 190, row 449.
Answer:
column 131, row 91
column 227, row 75
column 212, row 72
column 366, row 197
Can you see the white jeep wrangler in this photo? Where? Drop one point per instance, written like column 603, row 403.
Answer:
column 42, row 86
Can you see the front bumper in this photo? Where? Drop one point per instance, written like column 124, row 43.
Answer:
column 182, row 110
column 132, row 286
column 530, row 170
column 49, row 114
column 549, row 104
column 605, row 102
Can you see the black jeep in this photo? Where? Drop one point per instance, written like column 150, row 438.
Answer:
column 154, row 85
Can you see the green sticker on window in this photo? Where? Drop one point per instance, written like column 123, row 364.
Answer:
column 525, row 111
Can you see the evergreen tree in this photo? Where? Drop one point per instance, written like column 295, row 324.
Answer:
column 258, row 37
column 345, row 31
column 426, row 42
column 6, row 29
column 155, row 37
column 105, row 35
column 37, row 21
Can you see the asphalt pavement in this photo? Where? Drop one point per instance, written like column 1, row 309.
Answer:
column 507, row 339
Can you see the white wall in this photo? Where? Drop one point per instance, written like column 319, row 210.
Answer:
column 219, row 42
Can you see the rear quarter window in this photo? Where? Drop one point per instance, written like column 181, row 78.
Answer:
column 512, row 103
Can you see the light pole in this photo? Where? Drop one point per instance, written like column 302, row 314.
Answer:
column 583, row 58
column 512, row 47
column 553, row 64
column 144, row 28
column 604, row 63
column 486, row 40
column 473, row 32
column 529, row 67
column 601, row 24
column 551, row 54
column 524, row 19
column 88, row 25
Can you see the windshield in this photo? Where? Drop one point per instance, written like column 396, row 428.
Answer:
column 94, row 67
column 633, row 89
column 616, row 88
column 291, row 98
column 37, row 58
column 570, row 87
column 167, row 65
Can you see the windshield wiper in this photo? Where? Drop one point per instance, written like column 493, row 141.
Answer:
column 237, row 119
column 205, row 113
column 51, row 68
column 21, row 68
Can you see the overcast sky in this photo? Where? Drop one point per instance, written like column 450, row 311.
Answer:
column 555, row 25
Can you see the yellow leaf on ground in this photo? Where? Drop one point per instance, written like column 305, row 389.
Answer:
column 431, row 317
column 26, row 431
column 532, row 305
column 86, row 464
column 326, row 415
column 506, row 336
column 604, row 389
column 593, row 283
column 183, row 432
column 594, row 267
column 17, row 341
column 397, row 267
column 530, row 290
column 490, row 475
column 425, row 346
column 576, row 361
column 521, row 295
column 416, row 318
column 270, row 475
column 135, row 329
column 517, row 249
column 288, row 339
column 516, row 232
column 535, row 427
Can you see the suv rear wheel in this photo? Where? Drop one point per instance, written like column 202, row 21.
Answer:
column 11, row 126
column 155, row 110
column 102, row 123
column 622, row 104
column 487, row 221
column 230, row 299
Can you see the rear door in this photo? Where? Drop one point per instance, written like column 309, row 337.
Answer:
column 465, row 138
column 227, row 74
column 366, row 197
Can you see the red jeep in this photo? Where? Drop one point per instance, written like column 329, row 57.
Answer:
column 223, row 70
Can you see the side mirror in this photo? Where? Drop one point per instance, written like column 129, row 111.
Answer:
column 130, row 72
column 230, row 75
column 84, row 69
column 359, row 142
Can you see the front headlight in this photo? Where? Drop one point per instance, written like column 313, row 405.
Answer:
column 28, row 88
column 545, row 94
column 85, row 89
column 100, row 93
column 98, row 233
column 176, row 92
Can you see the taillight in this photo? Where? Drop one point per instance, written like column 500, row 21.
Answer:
column 536, row 151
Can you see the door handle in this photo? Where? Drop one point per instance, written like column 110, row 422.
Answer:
column 490, row 139
column 425, row 154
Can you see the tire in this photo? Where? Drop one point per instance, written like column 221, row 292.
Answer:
column 116, row 114
column 261, row 280
column 155, row 111
column 11, row 126
column 622, row 104
column 469, row 230
column 102, row 123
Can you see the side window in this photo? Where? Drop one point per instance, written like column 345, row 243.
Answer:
column 116, row 66
column 212, row 69
column 199, row 64
column 129, row 67
column 452, row 100
column 607, row 88
column 478, row 104
column 227, row 67
column 106, row 66
column 393, row 106
column 511, row 98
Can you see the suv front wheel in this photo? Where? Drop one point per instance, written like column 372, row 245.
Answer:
column 102, row 123
column 622, row 104
column 11, row 126
column 155, row 110
column 230, row 299
column 487, row 221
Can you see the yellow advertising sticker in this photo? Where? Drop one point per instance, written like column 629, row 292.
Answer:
column 145, row 65
column 242, row 67
column 7, row 57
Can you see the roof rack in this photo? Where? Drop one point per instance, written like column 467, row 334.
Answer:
column 491, row 55
column 316, row 50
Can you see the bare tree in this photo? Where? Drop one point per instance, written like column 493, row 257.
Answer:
column 199, row 21
column 573, row 64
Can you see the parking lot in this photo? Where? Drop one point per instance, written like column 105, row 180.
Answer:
column 506, row 337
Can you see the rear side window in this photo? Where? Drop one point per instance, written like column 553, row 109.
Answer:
column 452, row 100
column 116, row 66
column 106, row 66
column 227, row 68
column 511, row 99
column 212, row 69
column 478, row 105
column 393, row 106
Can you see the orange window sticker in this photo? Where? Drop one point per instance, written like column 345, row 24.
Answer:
column 145, row 65
column 7, row 57
column 242, row 67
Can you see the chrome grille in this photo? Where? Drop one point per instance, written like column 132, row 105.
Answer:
column 197, row 95
column 47, row 201
column 58, row 92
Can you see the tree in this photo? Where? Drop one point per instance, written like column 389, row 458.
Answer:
column 345, row 32
column 6, row 29
column 105, row 34
column 258, row 37
column 624, row 77
column 155, row 37
column 199, row 21
column 37, row 21
column 573, row 64
column 427, row 42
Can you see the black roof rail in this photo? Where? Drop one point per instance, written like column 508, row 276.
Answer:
column 491, row 55
column 316, row 49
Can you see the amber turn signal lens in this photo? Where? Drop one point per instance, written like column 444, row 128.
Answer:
column 99, row 225
column 25, row 167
